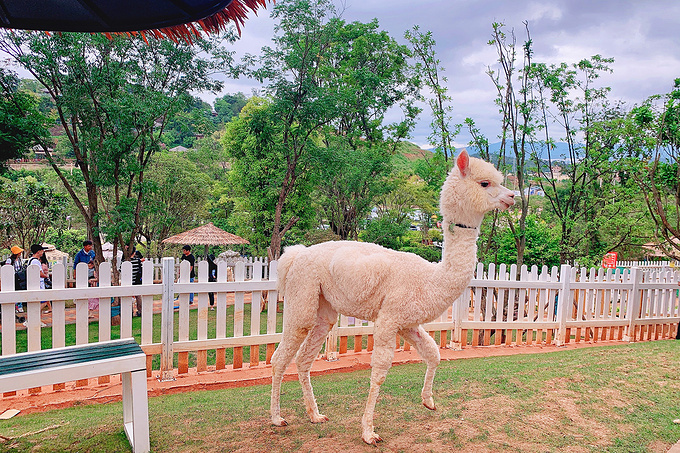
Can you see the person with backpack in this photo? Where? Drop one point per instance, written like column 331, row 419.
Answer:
column 212, row 277
column 19, row 273
column 37, row 253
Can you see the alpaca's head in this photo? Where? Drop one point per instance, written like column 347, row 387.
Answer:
column 472, row 189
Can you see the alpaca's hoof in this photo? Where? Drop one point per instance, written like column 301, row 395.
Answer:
column 371, row 438
column 279, row 421
column 320, row 418
column 429, row 403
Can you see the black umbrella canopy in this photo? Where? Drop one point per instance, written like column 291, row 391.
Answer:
column 159, row 17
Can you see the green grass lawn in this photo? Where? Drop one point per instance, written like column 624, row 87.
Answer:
column 602, row 399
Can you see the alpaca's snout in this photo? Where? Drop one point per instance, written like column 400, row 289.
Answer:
column 507, row 200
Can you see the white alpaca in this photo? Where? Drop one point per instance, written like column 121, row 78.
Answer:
column 398, row 291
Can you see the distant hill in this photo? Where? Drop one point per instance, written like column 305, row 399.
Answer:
column 412, row 152
column 561, row 150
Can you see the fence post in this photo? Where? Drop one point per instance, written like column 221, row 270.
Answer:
column 167, row 320
column 563, row 305
column 633, row 305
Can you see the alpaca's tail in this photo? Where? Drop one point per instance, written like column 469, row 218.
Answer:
column 285, row 262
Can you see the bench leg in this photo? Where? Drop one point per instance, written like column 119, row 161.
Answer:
column 136, row 410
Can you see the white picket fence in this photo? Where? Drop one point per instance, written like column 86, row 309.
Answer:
column 504, row 306
column 510, row 305
column 158, row 266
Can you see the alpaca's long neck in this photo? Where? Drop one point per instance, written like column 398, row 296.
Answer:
column 459, row 258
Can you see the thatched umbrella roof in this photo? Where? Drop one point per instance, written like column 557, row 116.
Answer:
column 174, row 19
column 206, row 235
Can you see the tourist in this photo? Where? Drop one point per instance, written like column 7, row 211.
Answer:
column 212, row 277
column 16, row 261
column 186, row 255
column 85, row 255
column 37, row 253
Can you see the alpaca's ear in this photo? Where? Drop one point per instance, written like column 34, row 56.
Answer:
column 463, row 163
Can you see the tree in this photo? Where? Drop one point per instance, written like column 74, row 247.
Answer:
column 429, row 68
column 228, row 106
column 350, row 182
column 367, row 71
column 187, row 126
column 517, row 123
column 323, row 77
column 650, row 140
column 22, row 125
column 114, row 97
column 567, row 94
column 260, row 183
column 175, row 198
column 28, row 208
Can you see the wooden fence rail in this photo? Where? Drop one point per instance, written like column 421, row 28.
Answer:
column 502, row 306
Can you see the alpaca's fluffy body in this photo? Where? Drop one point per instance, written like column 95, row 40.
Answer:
column 362, row 279
column 398, row 291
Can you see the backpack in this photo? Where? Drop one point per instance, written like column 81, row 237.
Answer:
column 20, row 278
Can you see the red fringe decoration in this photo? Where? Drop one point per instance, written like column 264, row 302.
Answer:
column 236, row 12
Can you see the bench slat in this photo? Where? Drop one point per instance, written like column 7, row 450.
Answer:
column 65, row 356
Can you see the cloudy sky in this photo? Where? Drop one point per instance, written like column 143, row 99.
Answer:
column 642, row 36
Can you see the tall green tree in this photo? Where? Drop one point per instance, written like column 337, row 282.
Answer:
column 113, row 98
column 322, row 76
column 569, row 95
column 260, row 176
column 368, row 72
column 300, row 106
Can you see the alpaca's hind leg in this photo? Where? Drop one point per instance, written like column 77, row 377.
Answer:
column 305, row 357
column 381, row 361
column 429, row 351
column 290, row 343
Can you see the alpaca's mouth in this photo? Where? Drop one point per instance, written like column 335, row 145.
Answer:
column 505, row 205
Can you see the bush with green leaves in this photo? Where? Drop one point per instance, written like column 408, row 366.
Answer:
column 386, row 231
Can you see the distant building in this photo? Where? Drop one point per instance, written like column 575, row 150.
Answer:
column 40, row 153
column 557, row 173
column 534, row 190
column 179, row 149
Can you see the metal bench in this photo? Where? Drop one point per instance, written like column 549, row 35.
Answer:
column 54, row 366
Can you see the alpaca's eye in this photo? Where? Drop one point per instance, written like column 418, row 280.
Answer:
column 484, row 183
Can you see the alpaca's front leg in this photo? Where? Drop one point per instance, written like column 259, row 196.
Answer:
column 429, row 351
column 381, row 361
